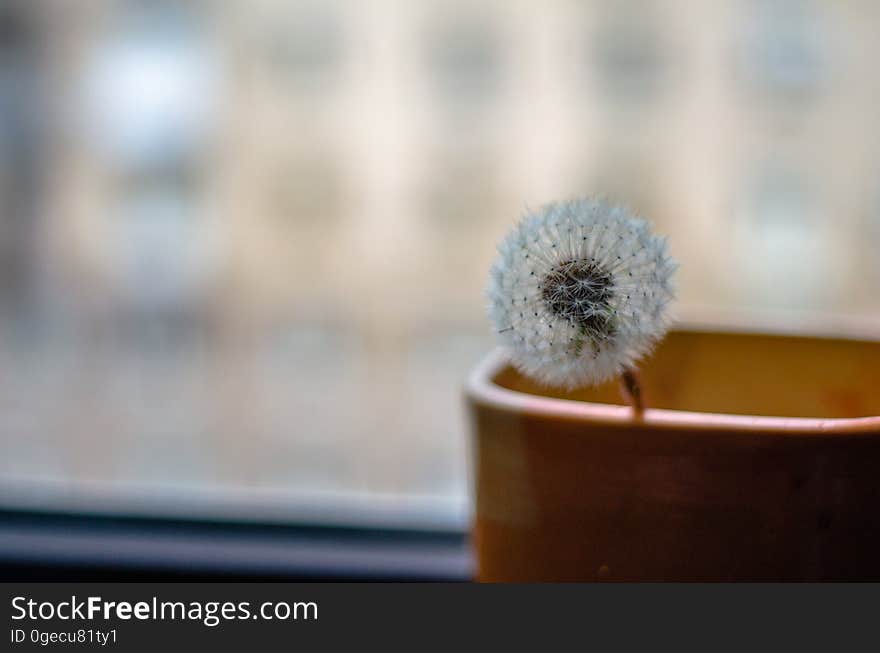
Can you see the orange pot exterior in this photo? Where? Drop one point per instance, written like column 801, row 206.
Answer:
column 574, row 490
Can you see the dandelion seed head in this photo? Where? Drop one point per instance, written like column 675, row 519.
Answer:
column 579, row 292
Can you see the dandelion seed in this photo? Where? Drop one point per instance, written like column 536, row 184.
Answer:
column 605, row 293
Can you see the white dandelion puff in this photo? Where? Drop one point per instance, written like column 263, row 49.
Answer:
column 579, row 292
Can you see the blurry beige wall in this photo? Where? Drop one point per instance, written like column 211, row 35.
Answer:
column 249, row 249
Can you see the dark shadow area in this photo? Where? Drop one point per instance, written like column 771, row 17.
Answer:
column 63, row 547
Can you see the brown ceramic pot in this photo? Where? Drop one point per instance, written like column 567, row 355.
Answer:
column 758, row 459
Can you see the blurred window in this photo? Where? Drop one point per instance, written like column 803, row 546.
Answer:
column 243, row 245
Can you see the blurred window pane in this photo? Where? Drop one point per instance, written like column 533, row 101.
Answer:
column 243, row 245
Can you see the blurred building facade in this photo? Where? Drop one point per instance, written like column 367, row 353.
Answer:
column 244, row 244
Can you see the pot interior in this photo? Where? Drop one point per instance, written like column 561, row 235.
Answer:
column 746, row 374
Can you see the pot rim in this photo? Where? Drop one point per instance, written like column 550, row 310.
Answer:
column 481, row 389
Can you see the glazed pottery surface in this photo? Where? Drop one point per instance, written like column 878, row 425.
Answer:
column 758, row 459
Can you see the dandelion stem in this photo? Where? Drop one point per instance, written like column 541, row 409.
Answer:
column 631, row 388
